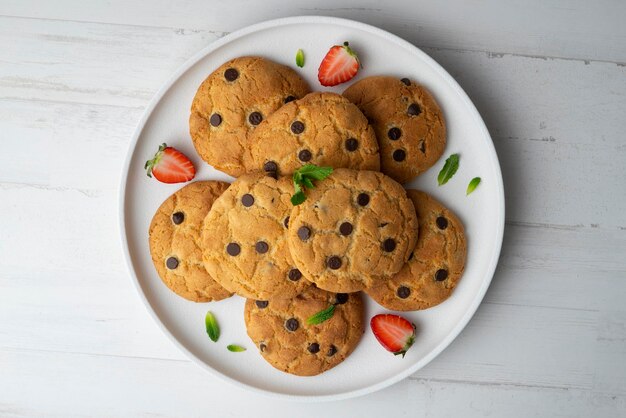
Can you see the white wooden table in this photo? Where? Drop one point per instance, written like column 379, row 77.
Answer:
column 549, row 77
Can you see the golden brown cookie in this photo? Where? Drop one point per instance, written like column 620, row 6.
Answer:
column 322, row 128
column 280, row 330
column 436, row 264
column 409, row 124
column 354, row 230
column 174, row 241
column 232, row 102
column 244, row 239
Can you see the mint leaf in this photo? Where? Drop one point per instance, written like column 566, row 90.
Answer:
column 212, row 329
column 449, row 169
column 321, row 316
column 298, row 198
column 300, row 58
column 314, row 172
column 303, row 179
column 472, row 185
column 235, row 348
column 308, row 183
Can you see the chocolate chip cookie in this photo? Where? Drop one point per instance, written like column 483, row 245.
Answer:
column 244, row 239
column 280, row 330
column 354, row 230
column 232, row 102
column 436, row 264
column 174, row 241
column 408, row 122
column 322, row 128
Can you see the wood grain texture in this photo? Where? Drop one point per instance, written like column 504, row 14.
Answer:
column 573, row 29
column 550, row 337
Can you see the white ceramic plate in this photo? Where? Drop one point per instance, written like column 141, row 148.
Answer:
column 370, row 367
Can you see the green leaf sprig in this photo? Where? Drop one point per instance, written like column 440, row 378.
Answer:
column 235, row 348
column 472, row 185
column 300, row 58
column 212, row 329
column 303, row 179
column 321, row 316
column 449, row 169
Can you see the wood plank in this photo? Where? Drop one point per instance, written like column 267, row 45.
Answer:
column 578, row 29
column 83, row 385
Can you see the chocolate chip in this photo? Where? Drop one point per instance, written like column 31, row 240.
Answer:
column 406, row 81
column 271, row 174
column 399, row 155
column 286, row 222
column 292, row 324
column 411, row 256
column 442, row 223
column 341, row 298
column 289, row 99
column 262, row 347
column 261, row 247
column 332, row 350
column 215, row 119
column 403, row 292
column 389, row 245
column 171, row 263
column 363, row 199
column 247, row 200
column 270, row 166
column 178, row 218
column 345, row 228
column 334, row 262
column 305, row 155
column 441, row 275
column 233, row 249
column 297, row 127
column 231, row 74
column 262, row 304
column 413, row 110
column 352, row 144
column 255, row 118
column 304, row 233
column 394, row 134
column 294, row 275
column 313, row 348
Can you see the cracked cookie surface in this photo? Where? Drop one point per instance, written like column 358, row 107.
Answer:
column 437, row 262
column 322, row 128
column 244, row 239
column 354, row 230
column 232, row 102
column 174, row 236
column 408, row 122
column 280, row 331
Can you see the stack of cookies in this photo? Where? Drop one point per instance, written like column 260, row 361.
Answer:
column 357, row 231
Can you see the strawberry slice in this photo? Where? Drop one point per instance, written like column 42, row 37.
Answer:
column 170, row 166
column 338, row 66
column 393, row 332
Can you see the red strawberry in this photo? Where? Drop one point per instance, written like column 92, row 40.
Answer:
column 394, row 332
column 170, row 166
column 338, row 66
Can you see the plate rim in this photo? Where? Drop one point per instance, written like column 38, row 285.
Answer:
column 348, row 23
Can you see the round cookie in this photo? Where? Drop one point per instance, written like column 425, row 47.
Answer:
column 280, row 330
column 174, row 235
column 436, row 265
column 354, row 230
column 322, row 128
column 409, row 124
column 244, row 239
column 232, row 102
